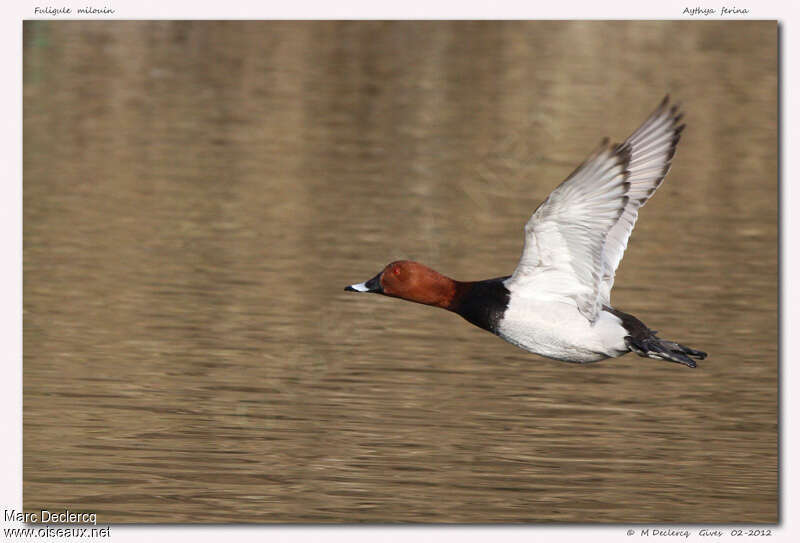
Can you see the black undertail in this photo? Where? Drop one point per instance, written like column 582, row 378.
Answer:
column 644, row 342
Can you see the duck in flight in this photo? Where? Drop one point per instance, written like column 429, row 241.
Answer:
column 557, row 301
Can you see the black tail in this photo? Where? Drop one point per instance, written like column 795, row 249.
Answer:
column 653, row 347
column 644, row 342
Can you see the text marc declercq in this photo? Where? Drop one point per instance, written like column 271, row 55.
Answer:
column 46, row 517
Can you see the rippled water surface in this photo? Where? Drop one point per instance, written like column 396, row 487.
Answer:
column 197, row 194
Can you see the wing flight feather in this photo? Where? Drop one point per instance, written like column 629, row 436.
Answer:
column 575, row 239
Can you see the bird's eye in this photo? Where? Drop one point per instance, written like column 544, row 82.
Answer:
column 396, row 270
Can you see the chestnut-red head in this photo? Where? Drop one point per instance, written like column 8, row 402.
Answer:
column 411, row 281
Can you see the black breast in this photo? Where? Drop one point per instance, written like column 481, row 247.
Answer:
column 483, row 303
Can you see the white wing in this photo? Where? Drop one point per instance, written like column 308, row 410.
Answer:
column 576, row 238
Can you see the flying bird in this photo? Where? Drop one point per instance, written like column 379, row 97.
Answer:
column 557, row 302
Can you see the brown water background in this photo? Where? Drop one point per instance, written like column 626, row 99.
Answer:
column 197, row 194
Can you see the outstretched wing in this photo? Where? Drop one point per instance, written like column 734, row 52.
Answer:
column 652, row 148
column 575, row 239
